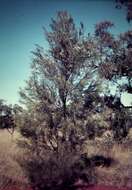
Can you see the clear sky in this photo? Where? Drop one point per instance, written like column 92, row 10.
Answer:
column 21, row 24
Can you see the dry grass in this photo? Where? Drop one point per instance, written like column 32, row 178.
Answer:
column 10, row 171
column 120, row 172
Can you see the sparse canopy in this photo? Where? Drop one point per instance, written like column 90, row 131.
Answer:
column 62, row 77
column 62, row 97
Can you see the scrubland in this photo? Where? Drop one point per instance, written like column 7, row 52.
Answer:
column 118, row 174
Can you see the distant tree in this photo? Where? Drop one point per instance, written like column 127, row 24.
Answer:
column 128, row 5
column 115, row 66
column 17, row 115
column 6, row 117
column 115, row 62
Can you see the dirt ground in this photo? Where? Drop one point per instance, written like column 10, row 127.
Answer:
column 99, row 187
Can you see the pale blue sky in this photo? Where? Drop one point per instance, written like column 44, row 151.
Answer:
column 21, row 24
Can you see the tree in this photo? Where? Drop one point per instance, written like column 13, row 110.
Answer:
column 63, row 94
column 115, row 55
column 55, row 121
column 128, row 5
column 115, row 66
column 6, row 117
